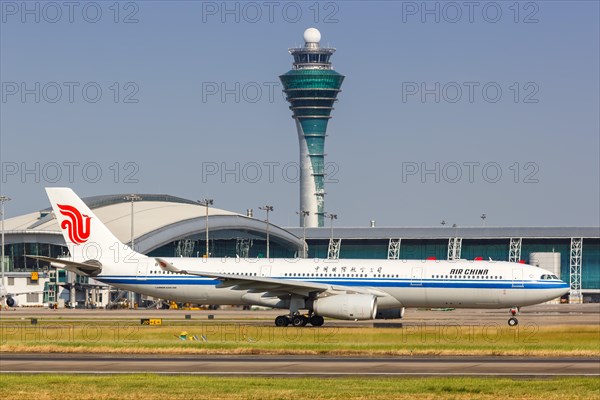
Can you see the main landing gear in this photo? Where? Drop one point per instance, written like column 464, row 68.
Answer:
column 294, row 318
column 512, row 321
column 299, row 320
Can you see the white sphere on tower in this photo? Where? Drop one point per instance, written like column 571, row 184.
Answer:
column 312, row 35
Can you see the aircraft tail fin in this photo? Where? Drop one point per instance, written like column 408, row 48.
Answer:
column 86, row 236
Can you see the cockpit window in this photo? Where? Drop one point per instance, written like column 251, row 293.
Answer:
column 545, row 277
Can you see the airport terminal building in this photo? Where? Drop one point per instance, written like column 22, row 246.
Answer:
column 170, row 226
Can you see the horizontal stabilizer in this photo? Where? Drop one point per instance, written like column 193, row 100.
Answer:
column 91, row 268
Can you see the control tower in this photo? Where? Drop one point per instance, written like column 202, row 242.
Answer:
column 311, row 88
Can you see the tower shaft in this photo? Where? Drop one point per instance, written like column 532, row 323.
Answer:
column 311, row 88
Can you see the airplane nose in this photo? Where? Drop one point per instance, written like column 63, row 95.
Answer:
column 566, row 288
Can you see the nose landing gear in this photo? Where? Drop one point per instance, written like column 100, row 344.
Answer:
column 512, row 321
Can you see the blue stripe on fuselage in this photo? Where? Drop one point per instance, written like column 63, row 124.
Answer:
column 366, row 282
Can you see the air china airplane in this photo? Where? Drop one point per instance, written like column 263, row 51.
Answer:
column 342, row 289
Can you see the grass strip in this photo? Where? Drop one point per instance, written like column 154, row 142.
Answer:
column 231, row 338
column 150, row 386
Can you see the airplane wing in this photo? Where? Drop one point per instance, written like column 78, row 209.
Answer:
column 21, row 293
column 273, row 286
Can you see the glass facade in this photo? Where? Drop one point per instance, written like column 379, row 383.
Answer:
column 496, row 249
column 17, row 262
column 590, row 264
column 255, row 248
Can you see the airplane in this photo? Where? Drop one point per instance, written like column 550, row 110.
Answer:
column 341, row 289
column 11, row 298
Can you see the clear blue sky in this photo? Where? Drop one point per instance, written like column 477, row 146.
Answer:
column 545, row 124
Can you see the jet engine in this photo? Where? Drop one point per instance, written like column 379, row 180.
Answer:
column 12, row 302
column 346, row 306
column 390, row 313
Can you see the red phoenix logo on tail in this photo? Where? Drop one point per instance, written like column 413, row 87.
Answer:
column 77, row 225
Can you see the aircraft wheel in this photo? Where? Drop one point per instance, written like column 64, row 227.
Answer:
column 299, row 320
column 282, row 320
column 316, row 320
column 512, row 321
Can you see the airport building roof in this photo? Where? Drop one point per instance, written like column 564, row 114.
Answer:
column 446, row 232
column 158, row 220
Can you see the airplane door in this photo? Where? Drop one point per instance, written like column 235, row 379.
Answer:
column 416, row 276
column 517, row 277
column 142, row 269
column 265, row 270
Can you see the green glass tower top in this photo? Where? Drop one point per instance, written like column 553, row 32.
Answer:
column 311, row 88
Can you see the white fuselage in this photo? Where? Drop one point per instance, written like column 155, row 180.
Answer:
column 409, row 283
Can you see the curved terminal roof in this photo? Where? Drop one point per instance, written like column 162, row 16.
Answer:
column 158, row 220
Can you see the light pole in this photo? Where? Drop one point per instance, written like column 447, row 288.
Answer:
column 267, row 209
column 206, row 203
column 132, row 198
column 304, row 214
column 3, row 199
column 332, row 217
column 483, row 217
